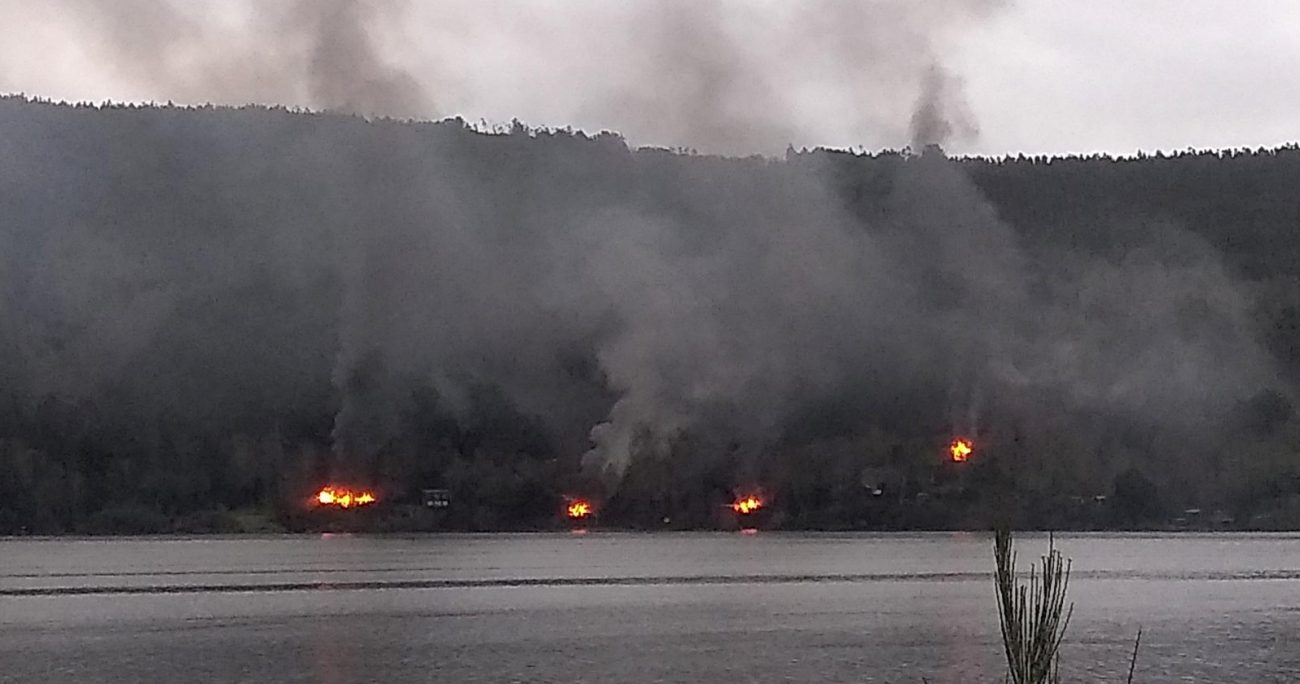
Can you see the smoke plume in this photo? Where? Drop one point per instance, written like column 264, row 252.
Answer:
column 722, row 76
column 624, row 298
column 324, row 54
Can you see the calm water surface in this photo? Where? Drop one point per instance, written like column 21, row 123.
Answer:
column 605, row 607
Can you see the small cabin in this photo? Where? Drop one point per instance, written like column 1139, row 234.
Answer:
column 436, row 498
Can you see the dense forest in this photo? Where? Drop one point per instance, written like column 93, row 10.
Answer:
column 206, row 314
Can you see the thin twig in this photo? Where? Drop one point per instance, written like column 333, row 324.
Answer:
column 1132, row 663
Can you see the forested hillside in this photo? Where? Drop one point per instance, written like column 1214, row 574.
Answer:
column 213, row 310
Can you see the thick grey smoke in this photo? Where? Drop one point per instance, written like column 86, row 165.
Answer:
column 740, row 77
column 631, row 297
column 321, row 53
column 788, row 306
column 723, row 76
column 345, row 69
column 941, row 112
column 701, row 73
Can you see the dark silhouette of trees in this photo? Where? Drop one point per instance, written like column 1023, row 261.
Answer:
column 172, row 362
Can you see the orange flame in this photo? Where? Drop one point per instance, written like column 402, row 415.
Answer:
column 343, row 497
column 747, row 504
column 578, row 509
column 960, row 450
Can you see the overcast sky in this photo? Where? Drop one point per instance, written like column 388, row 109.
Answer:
column 1034, row 76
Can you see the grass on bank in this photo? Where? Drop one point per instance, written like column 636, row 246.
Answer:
column 1034, row 616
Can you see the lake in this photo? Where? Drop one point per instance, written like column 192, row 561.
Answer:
column 616, row 607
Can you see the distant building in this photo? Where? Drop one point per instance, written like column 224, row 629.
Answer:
column 436, row 498
column 878, row 480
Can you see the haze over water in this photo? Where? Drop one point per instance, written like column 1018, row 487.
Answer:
column 631, row 608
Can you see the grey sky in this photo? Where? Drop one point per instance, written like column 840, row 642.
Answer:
column 731, row 75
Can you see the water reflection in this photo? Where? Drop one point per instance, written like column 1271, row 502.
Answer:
column 632, row 608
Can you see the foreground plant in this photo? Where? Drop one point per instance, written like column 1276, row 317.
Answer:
column 1033, row 617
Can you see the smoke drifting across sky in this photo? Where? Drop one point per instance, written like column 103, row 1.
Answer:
column 731, row 76
column 322, row 53
column 1043, row 77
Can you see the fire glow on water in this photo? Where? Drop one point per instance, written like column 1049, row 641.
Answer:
column 343, row 497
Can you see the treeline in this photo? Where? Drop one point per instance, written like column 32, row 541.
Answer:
column 200, row 305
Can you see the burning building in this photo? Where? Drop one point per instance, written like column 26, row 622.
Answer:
column 750, row 511
column 578, row 509
column 746, row 505
column 960, row 450
column 578, row 512
column 343, row 497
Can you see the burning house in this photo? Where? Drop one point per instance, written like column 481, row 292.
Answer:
column 343, row 497
column 579, row 512
column 960, row 450
column 750, row 511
